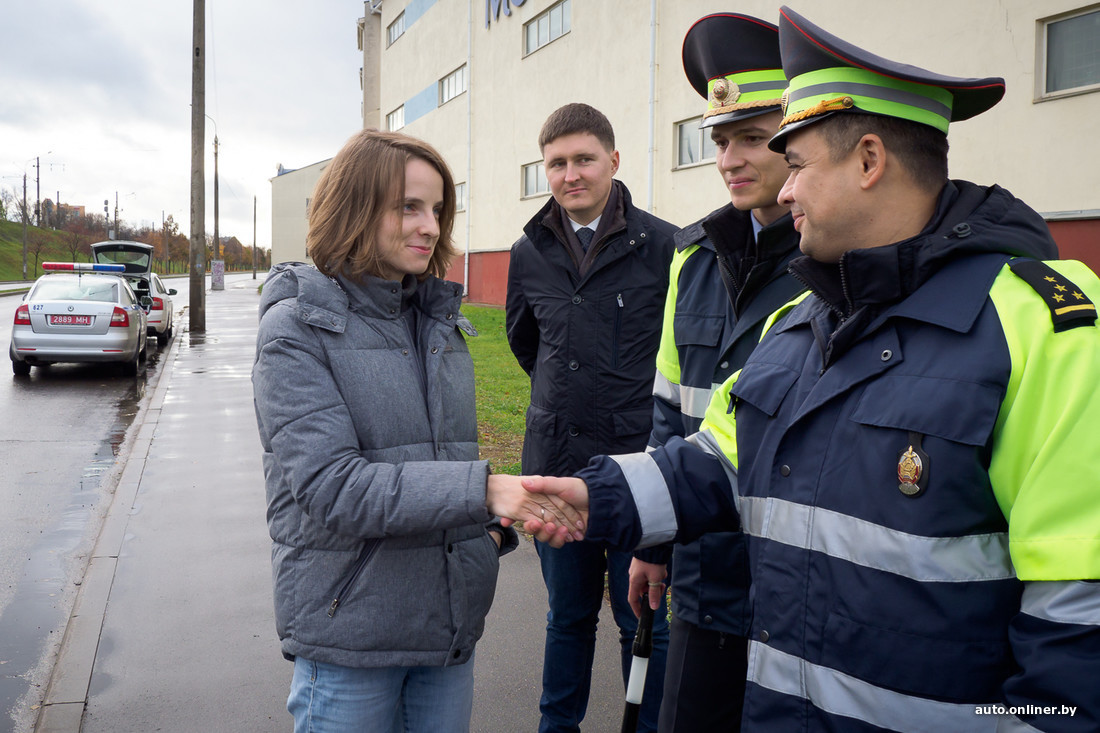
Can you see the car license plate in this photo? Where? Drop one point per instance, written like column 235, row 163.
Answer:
column 65, row 320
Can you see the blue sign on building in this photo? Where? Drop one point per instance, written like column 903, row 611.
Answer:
column 493, row 8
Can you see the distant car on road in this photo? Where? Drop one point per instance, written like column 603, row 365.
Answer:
column 137, row 258
column 79, row 312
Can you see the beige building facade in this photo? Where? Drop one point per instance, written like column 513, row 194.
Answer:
column 476, row 78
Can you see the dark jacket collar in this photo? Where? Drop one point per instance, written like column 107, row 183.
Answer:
column 553, row 217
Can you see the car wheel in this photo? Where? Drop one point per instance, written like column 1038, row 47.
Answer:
column 20, row 368
column 131, row 366
column 163, row 336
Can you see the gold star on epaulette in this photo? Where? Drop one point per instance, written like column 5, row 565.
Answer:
column 1038, row 275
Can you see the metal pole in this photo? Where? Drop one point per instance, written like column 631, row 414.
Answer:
column 217, row 239
column 253, row 237
column 37, row 191
column 24, row 223
column 197, row 303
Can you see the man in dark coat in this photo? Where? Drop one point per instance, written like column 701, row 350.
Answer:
column 586, row 289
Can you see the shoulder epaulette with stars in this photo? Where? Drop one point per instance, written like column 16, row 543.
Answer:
column 1069, row 307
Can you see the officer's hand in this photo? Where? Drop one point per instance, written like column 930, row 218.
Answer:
column 646, row 579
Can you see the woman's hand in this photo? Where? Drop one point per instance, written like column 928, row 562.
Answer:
column 553, row 518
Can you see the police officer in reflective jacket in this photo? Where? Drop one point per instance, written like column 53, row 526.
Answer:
column 911, row 447
column 729, row 273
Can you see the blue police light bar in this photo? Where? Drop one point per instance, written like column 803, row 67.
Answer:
column 82, row 267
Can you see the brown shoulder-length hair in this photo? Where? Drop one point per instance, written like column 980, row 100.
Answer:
column 360, row 186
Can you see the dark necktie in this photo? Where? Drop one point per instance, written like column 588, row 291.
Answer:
column 584, row 234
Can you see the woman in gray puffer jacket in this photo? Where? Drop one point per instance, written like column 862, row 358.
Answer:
column 385, row 547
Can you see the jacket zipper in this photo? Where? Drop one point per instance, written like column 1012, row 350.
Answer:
column 615, row 334
column 369, row 548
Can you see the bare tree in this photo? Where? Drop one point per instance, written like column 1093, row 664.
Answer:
column 36, row 242
column 76, row 242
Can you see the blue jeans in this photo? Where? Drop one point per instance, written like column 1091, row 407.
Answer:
column 329, row 698
column 574, row 577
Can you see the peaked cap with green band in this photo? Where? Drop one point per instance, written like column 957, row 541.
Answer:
column 733, row 61
column 827, row 76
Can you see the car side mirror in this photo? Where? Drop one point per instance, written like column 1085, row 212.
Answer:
column 146, row 302
column 171, row 291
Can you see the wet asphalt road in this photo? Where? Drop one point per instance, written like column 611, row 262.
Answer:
column 60, row 436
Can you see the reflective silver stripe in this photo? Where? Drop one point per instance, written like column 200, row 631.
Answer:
column 1064, row 601
column 706, row 442
column 842, row 694
column 651, row 497
column 927, row 559
column 760, row 86
column 696, row 400
column 875, row 92
column 666, row 389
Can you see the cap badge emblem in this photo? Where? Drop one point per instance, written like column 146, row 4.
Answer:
column 724, row 92
column 784, row 100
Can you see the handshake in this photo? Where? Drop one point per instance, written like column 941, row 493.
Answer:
column 553, row 509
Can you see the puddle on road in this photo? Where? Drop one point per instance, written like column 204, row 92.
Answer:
column 34, row 622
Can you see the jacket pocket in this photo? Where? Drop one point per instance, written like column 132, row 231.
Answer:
column 960, row 670
column 764, row 385
column 695, row 329
column 540, row 420
column 916, row 403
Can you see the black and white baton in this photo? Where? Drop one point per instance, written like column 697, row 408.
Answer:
column 643, row 648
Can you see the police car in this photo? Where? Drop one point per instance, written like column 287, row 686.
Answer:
column 80, row 312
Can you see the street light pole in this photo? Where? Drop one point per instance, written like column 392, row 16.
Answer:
column 217, row 238
column 24, row 224
column 197, row 308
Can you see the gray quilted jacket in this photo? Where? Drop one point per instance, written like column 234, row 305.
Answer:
column 375, row 494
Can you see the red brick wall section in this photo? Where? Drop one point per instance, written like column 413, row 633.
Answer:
column 1078, row 239
column 488, row 277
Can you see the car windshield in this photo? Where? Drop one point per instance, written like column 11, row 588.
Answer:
column 83, row 289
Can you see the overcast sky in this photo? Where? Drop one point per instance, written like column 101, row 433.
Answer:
column 100, row 92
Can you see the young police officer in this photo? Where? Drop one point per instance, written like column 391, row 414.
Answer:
column 728, row 274
column 913, row 456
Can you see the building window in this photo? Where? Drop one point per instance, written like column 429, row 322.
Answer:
column 396, row 29
column 534, row 180
column 452, row 85
column 396, row 120
column 693, row 144
column 549, row 26
column 460, row 197
column 1071, row 53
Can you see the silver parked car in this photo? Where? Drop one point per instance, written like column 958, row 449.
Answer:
column 79, row 312
column 137, row 258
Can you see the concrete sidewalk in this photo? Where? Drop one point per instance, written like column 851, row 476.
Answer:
column 173, row 628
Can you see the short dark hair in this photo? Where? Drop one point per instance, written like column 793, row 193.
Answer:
column 357, row 189
column 574, row 118
column 921, row 149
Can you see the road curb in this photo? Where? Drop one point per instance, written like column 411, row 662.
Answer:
column 62, row 708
